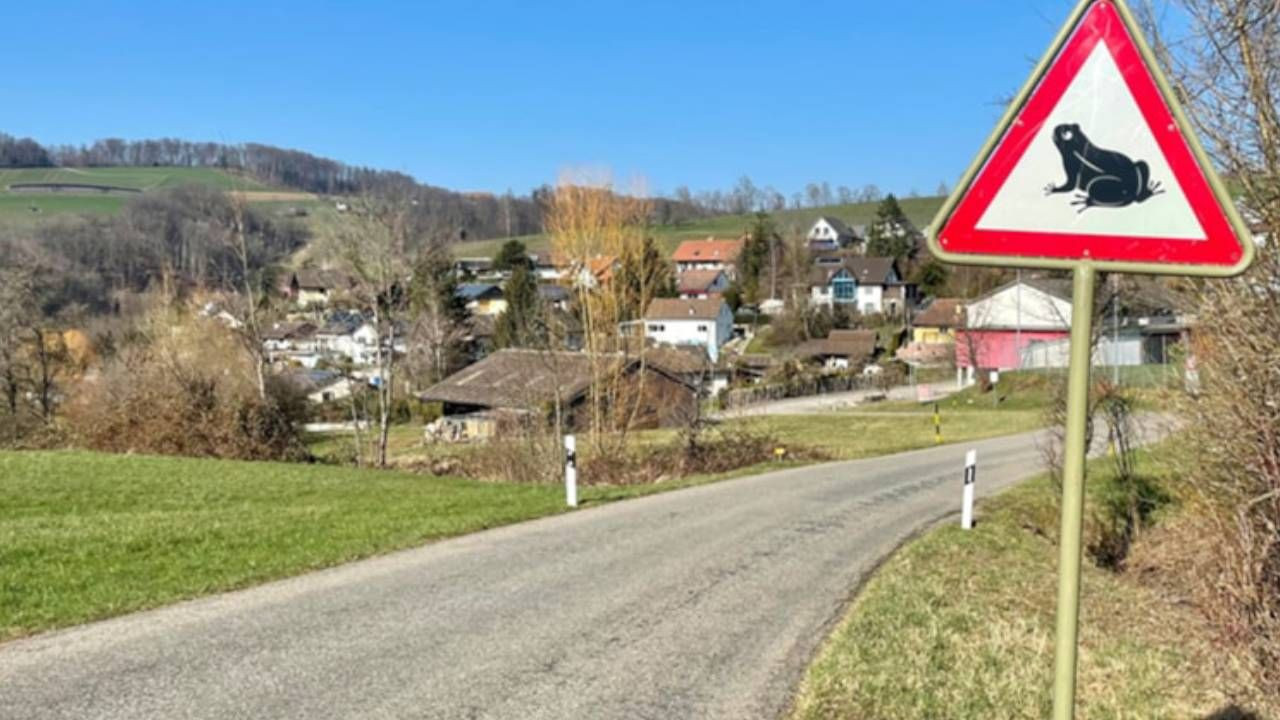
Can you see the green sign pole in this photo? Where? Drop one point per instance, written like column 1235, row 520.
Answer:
column 1069, row 542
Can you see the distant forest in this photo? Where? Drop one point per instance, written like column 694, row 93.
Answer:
column 471, row 216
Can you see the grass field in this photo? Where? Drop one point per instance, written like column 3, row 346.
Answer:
column 33, row 205
column 139, row 178
column 86, row 536
column 960, row 625
column 919, row 210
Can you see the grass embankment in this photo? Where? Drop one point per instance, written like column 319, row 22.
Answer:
column 919, row 210
column 86, row 536
column 960, row 625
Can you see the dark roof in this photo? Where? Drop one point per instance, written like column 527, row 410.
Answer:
column 684, row 360
column 289, row 331
column 838, row 225
column 524, row 379
column 314, row 279
column 682, row 309
column 942, row 312
column 698, row 280
column 310, row 381
column 852, row 344
column 477, row 291
column 342, row 323
column 553, row 293
column 865, row 270
column 871, row 270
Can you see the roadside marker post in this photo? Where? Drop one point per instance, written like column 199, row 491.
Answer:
column 937, row 425
column 1139, row 196
column 570, row 471
column 970, row 477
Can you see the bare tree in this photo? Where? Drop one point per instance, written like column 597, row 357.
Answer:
column 1223, row 57
column 375, row 243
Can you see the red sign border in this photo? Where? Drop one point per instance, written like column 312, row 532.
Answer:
column 1100, row 23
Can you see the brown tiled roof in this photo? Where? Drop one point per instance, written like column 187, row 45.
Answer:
column 943, row 312
column 853, row 344
column 529, row 379
column 682, row 309
column 522, row 379
column 725, row 251
column 698, row 280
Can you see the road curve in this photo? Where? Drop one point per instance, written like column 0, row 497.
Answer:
column 700, row 603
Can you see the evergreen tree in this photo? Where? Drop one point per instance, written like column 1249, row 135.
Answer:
column 932, row 277
column 753, row 265
column 523, row 323
column 511, row 255
column 891, row 233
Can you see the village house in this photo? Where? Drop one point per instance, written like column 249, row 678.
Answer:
column 707, row 323
column 482, row 298
column 594, row 272
column 866, row 285
column 555, row 296
column 709, row 254
column 291, row 343
column 1001, row 325
column 545, row 268
column 472, row 267
column 310, row 288
column 702, row 284
column 842, row 349
column 933, row 333
column 829, row 233
column 347, row 336
column 514, row 386
column 1027, row 324
column 321, row 386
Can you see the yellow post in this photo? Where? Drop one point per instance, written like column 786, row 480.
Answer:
column 1069, row 542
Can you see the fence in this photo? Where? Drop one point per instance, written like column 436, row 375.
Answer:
column 801, row 387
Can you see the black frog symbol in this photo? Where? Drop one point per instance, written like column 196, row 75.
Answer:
column 1104, row 178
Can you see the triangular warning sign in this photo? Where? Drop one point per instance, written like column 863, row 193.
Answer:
column 1095, row 163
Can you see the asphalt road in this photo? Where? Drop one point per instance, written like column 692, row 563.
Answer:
column 701, row 603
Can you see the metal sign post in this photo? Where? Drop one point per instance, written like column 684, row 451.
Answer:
column 1069, row 538
column 1093, row 168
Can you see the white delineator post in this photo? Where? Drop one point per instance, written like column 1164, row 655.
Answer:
column 970, row 477
column 570, row 471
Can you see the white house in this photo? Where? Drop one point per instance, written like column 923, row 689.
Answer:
column 867, row 285
column 680, row 321
column 708, row 254
column 830, row 233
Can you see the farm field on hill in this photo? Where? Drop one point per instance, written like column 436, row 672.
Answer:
column 919, row 210
column 140, row 178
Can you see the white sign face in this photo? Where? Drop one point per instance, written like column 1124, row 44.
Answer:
column 1094, row 144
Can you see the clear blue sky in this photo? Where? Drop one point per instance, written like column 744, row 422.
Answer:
column 497, row 95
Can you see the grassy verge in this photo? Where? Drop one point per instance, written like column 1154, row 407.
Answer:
column 85, row 536
column 839, row 435
column 960, row 625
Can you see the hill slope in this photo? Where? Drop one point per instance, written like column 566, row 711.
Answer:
column 919, row 210
column 39, row 192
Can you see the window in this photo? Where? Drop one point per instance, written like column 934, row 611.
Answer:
column 843, row 289
column 702, row 328
column 656, row 328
